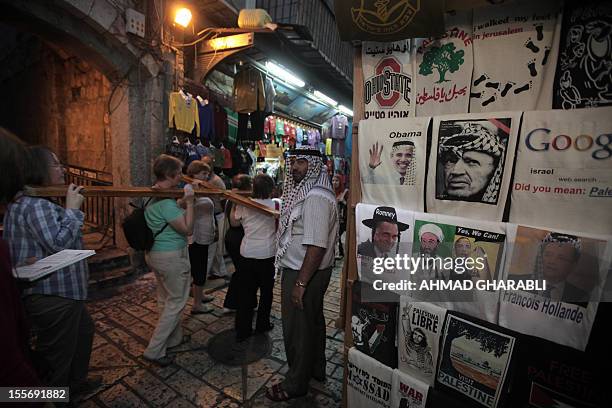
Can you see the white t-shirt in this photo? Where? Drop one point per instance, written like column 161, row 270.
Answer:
column 259, row 231
column 203, row 221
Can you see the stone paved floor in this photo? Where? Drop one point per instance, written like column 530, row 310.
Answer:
column 125, row 317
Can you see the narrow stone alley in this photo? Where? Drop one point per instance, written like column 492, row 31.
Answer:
column 125, row 317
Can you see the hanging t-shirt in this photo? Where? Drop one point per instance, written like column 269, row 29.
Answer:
column 192, row 153
column 443, row 68
column 207, row 121
column 287, row 129
column 368, row 382
column 280, row 127
column 584, row 76
column 563, row 170
column 339, row 127
column 388, row 80
column 574, row 267
column 227, row 158
column 392, row 159
column 419, row 331
column 183, row 113
column 373, row 325
column 202, row 150
column 515, row 49
column 474, row 361
column 470, row 164
column 299, row 135
column 407, row 391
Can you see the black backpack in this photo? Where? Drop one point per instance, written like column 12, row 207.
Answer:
column 137, row 232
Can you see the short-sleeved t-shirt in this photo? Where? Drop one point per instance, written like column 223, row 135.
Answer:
column 157, row 215
column 316, row 224
column 259, row 231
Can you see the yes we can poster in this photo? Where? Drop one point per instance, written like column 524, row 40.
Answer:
column 392, row 158
column 563, row 174
column 474, row 361
column 419, row 330
column 388, row 87
column 443, row 68
column 465, row 253
column 574, row 267
column 368, row 381
column 515, row 50
column 470, row 164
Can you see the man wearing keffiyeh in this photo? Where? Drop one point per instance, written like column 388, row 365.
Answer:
column 556, row 259
column 307, row 236
column 473, row 162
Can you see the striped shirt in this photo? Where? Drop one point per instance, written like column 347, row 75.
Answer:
column 36, row 227
column 316, row 224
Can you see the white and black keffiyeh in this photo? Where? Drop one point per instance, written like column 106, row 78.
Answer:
column 316, row 178
column 476, row 137
column 554, row 237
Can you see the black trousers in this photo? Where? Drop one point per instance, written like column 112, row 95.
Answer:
column 64, row 335
column 233, row 238
column 254, row 274
column 198, row 258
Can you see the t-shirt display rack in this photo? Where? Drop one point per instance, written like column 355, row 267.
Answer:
column 551, row 365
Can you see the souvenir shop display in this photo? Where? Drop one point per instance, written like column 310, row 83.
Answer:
column 491, row 228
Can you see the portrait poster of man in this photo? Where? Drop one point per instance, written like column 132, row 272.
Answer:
column 471, row 164
column 373, row 325
column 392, row 161
column 382, row 232
column 474, row 361
column 407, row 391
column 419, row 331
column 563, row 172
column 368, row 382
column 574, row 267
column 468, row 250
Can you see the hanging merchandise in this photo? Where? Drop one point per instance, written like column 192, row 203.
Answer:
column 183, row 112
column 419, row 332
column 339, row 129
column 584, row 74
column 177, row 149
column 328, row 147
column 407, row 391
column 475, row 361
column 388, row 87
column 471, row 163
column 220, row 123
column 443, row 68
column 280, row 127
column 202, row 150
column 249, row 91
column 574, row 267
column 513, row 45
column 373, row 325
column 232, row 126
column 469, row 253
column 368, row 382
column 392, row 159
column 270, row 93
column 383, row 232
column 207, row 120
column 563, row 170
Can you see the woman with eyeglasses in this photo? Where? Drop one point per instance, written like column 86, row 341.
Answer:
column 36, row 228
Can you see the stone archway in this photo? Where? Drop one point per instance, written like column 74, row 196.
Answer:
column 136, row 85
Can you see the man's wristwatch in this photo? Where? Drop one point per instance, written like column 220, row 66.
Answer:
column 300, row 283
